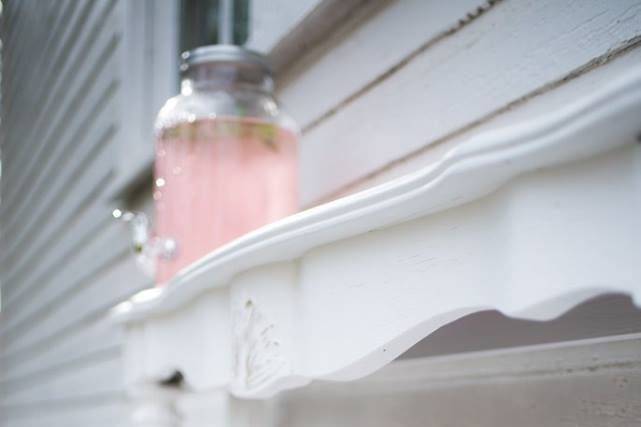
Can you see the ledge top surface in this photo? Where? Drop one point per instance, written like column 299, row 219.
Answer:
column 597, row 123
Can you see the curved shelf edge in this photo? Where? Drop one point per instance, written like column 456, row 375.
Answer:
column 540, row 217
column 466, row 173
column 545, row 309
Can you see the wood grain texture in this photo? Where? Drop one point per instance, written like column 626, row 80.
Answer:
column 589, row 133
column 69, row 308
column 63, row 91
column 518, row 221
column 63, row 264
column 61, row 100
column 591, row 383
column 515, row 48
column 526, row 108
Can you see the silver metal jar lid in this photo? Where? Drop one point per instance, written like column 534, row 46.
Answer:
column 230, row 54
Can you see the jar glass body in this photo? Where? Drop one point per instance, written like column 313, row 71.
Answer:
column 226, row 161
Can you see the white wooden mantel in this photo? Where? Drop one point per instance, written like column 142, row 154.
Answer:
column 530, row 220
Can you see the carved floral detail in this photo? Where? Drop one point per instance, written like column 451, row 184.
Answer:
column 257, row 351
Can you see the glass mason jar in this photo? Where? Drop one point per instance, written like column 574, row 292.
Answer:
column 226, row 155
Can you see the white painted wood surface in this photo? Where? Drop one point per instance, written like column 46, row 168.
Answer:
column 449, row 71
column 149, row 75
column 63, row 264
column 529, row 220
column 271, row 21
column 591, row 383
column 540, row 104
column 285, row 29
column 62, row 260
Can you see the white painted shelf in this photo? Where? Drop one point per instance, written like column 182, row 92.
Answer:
column 530, row 220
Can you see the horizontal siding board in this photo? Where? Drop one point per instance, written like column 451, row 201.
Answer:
column 60, row 103
column 65, row 139
column 92, row 254
column 84, row 294
column 529, row 108
column 285, row 30
column 71, row 160
column 594, row 400
column 17, row 57
column 109, row 412
column 56, row 154
column 96, row 378
column 8, row 230
column 516, row 47
column 18, row 26
column 76, row 167
column 272, row 20
column 10, row 9
column 60, row 49
column 78, row 346
column 588, row 383
column 11, row 89
column 28, row 383
column 33, row 49
column 80, row 199
column 59, row 358
column 63, row 257
column 363, row 54
column 28, row 43
column 40, row 89
column 68, row 245
column 76, row 294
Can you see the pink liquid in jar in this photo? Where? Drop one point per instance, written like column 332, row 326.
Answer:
column 217, row 179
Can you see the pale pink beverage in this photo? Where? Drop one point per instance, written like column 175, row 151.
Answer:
column 217, row 179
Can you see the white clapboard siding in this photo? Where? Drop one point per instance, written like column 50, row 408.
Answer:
column 104, row 376
column 529, row 108
column 90, row 298
column 68, row 245
column 74, row 341
column 271, row 21
column 70, row 205
column 78, row 346
column 13, row 85
column 98, row 87
column 59, row 191
column 285, row 29
column 57, row 100
column 469, row 73
column 63, row 221
column 65, row 262
column 102, row 412
column 591, row 383
column 49, row 86
column 94, row 97
column 365, row 53
column 71, row 412
column 370, row 82
column 71, row 280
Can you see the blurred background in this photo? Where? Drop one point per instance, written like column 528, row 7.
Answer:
column 379, row 88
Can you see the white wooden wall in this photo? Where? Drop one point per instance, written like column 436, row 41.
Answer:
column 591, row 383
column 70, row 106
column 381, row 91
column 412, row 75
